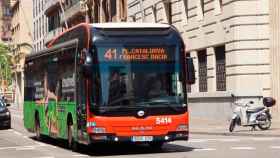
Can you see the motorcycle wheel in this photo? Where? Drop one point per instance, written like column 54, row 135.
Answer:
column 232, row 125
column 266, row 125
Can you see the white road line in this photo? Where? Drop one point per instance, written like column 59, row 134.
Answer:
column 17, row 133
column 275, row 147
column 230, row 140
column 80, row 155
column 243, row 148
column 46, row 157
column 25, row 148
column 198, row 140
column 5, row 148
column 26, row 137
column 265, row 139
column 205, row 149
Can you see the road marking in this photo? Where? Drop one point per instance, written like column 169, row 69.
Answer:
column 26, row 137
column 80, row 155
column 46, row 157
column 243, row 148
column 25, row 148
column 230, row 140
column 17, row 133
column 198, row 140
column 41, row 144
column 205, row 149
column 265, row 139
column 275, row 147
column 5, row 148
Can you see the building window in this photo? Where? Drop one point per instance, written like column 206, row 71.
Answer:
column 123, row 10
column 189, row 86
column 113, row 10
column 202, row 70
column 220, row 68
column 105, row 8
column 96, row 11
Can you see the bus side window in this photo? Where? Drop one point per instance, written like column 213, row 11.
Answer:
column 68, row 86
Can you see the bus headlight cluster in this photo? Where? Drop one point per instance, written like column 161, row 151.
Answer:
column 7, row 113
column 98, row 130
column 182, row 127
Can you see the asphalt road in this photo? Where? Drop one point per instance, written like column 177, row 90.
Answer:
column 17, row 143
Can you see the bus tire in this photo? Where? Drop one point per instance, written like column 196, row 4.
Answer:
column 37, row 127
column 71, row 143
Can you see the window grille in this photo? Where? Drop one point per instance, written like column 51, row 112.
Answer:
column 220, row 68
column 189, row 86
column 202, row 70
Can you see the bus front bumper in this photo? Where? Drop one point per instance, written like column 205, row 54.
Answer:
column 171, row 136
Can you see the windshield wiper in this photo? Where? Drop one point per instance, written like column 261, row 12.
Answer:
column 160, row 104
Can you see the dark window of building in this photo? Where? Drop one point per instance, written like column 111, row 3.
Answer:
column 96, row 11
column 54, row 21
column 113, row 10
column 123, row 10
column 220, row 68
column 189, row 86
column 202, row 70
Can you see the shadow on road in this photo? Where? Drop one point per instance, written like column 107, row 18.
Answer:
column 111, row 149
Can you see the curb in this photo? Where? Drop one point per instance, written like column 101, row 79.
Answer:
column 236, row 134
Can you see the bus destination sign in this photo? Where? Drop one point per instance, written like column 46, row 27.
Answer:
column 136, row 54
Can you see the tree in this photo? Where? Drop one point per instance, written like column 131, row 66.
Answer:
column 5, row 62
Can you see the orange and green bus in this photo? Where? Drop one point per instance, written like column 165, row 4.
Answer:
column 110, row 82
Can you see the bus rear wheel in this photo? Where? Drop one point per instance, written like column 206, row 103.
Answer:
column 37, row 128
column 72, row 144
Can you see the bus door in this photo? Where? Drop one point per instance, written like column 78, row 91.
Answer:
column 81, row 102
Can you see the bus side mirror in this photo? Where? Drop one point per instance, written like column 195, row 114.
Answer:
column 87, row 64
column 190, row 71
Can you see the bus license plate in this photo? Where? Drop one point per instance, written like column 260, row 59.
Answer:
column 142, row 138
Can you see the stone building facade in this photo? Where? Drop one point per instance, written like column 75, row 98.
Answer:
column 274, row 8
column 65, row 14
column 21, row 43
column 40, row 24
column 5, row 21
column 229, row 42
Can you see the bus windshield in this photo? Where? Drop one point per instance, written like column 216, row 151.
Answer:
column 138, row 76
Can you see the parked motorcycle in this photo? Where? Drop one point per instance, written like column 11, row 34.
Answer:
column 246, row 115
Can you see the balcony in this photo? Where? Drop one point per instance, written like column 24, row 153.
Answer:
column 52, row 34
column 75, row 10
column 50, row 6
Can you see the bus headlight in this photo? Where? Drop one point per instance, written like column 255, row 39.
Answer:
column 98, row 130
column 182, row 127
column 7, row 113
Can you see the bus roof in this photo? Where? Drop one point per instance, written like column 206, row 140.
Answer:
column 124, row 25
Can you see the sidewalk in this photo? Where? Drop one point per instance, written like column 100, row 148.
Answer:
column 214, row 127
